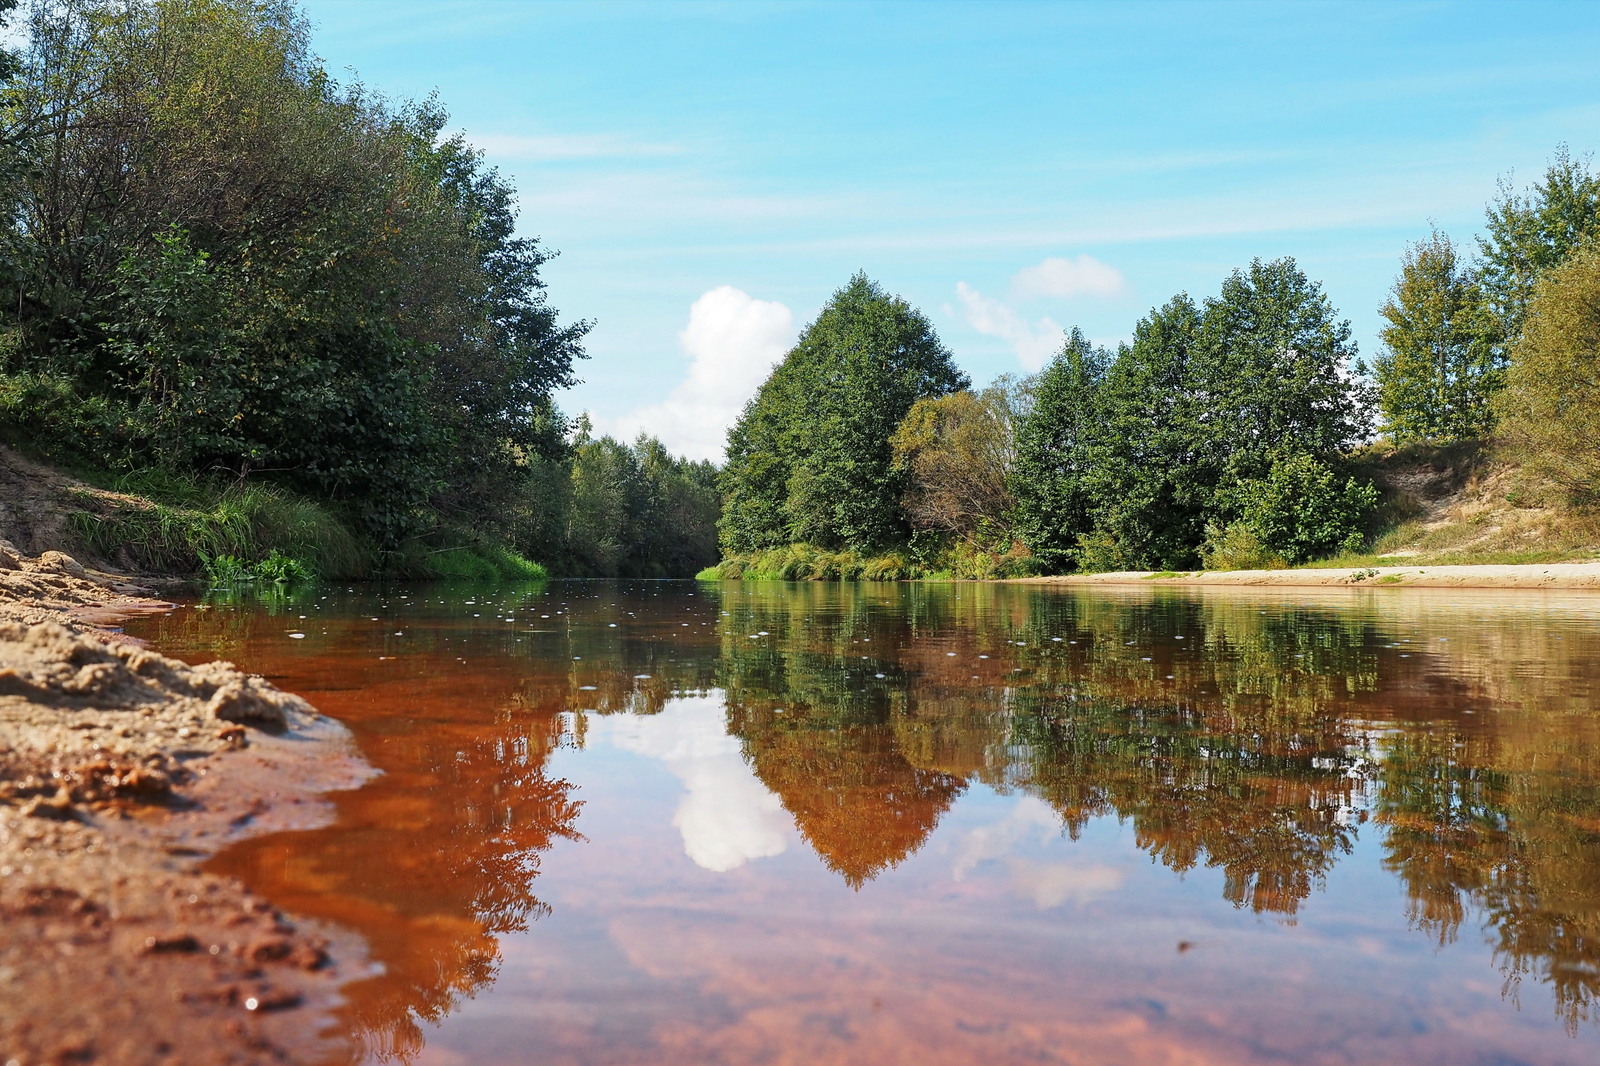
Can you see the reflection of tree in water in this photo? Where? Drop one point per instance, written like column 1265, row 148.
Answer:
column 431, row 863
column 1508, row 823
column 1274, row 822
column 855, row 798
column 818, row 730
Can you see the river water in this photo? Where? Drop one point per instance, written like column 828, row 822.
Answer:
column 669, row 822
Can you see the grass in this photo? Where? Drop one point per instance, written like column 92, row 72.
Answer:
column 224, row 532
column 806, row 562
column 480, row 563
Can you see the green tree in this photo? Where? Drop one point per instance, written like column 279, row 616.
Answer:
column 254, row 270
column 1150, row 498
column 1056, row 453
column 1532, row 233
column 810, row 459
column 1126, row 463
column 1550, row 408
column 1275, row 369
column 1303, row 509
column 1440, row 367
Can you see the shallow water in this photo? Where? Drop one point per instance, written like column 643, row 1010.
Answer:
column 666, row 822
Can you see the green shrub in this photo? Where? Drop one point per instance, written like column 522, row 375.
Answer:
column 1238, row 547
column 1302, row 510
column 248, row 524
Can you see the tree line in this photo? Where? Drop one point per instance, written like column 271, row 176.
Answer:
column 1221, row 435
column 223, row 263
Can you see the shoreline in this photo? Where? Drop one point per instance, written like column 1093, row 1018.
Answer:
column 121, row 771
column 1547, row 576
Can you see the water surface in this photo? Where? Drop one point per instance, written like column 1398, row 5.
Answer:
column 665, row 822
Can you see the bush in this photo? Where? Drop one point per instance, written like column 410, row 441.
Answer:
column 1302, row 510
column 1238, row 547
column 480, row 563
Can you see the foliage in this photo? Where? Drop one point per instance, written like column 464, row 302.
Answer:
column 1530, row 234
column 1126, row 460
column 1055, row 453
column 1441, row 367
column 223, row 260
column 1550, row 409
column 810, row 459
column 1302, row 509
column 482, row 562
column 621, row 510
column 251, row 525
column 957, row 451
column 275, row 569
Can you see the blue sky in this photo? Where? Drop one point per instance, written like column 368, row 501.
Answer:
column 710, row 173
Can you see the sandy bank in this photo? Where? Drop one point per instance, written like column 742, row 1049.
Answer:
column 119, row 770
column 1529, row 576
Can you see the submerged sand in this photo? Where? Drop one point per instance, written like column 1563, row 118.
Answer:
column 121, row 769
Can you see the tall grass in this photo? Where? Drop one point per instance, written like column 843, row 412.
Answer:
column 238, row 526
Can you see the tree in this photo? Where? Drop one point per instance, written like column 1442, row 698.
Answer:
column 1532, row 233
column 809, row 459
column 1150, row 497
column 957, row 451
column 1302, row 509
column 1055, row 453
column 257, row 272
column 1127, row 461
column 1550, row 408
column 1275, row 371
column 1441, row 366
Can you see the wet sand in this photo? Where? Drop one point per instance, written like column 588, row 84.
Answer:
column 121, row 770
column 1521, row 576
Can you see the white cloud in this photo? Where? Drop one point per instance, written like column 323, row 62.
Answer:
column 1045, row 884
column 727, row 817
column 1068, row 278
column 732, row 341
column 1033, row 344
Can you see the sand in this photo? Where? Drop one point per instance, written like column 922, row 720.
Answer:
column 1522, row 576
column 120, row 771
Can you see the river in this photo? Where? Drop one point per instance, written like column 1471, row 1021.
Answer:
column 677, row 822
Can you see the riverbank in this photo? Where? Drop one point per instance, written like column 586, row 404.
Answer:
column 1584, row 575
column 120, row 770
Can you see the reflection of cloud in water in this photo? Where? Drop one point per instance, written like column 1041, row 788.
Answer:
column 1047, row 884
column 728, row 817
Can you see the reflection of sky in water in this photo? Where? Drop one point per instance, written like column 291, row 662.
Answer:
column 1286, row 837
column 727, row 816
column 1047, row 883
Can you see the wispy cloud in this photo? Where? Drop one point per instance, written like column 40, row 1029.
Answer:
column 732, row 340
column 554, row 147
column 1069, row 278
column 1034, row 344
column 1047, row 884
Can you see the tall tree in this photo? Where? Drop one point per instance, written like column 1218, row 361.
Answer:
column 810, row 459
column 1052, row 474
column 247, row 268
column 1150, row 493
column 1550, row 409
column 1532, row 233
column 1441, row 365
column 1126, row 462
